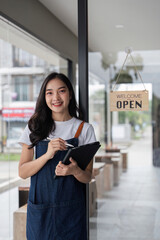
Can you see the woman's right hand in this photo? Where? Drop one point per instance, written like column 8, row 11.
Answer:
column 54, row 146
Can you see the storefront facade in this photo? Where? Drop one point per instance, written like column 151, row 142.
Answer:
column 43, row 39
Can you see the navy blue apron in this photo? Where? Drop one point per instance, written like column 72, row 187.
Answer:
column 56, row 208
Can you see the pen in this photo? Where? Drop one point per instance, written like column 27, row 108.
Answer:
column 67, row 144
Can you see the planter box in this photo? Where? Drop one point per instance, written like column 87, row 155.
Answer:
column 19, row 223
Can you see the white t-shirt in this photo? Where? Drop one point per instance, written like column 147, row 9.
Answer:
column 65, row 130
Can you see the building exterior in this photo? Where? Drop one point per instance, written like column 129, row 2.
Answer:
column 38, row 37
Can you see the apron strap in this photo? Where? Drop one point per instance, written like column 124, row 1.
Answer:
column 79, row 130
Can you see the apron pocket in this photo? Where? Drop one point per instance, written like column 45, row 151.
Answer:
column 70, row 221
column 40, row 221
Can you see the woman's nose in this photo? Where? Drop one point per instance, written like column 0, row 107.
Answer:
column 56, row 96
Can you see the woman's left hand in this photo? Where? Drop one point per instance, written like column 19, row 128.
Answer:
column 64, row 170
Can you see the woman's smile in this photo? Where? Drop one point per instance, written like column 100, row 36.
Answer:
column 59, row 104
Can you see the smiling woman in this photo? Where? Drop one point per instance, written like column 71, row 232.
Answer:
column 56, row 102
column 57, row 99
column 56, row 117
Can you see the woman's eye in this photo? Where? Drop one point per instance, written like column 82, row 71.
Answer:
column 62, row 91
column 49, row 93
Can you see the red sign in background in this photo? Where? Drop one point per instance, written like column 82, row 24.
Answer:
column 15, row 114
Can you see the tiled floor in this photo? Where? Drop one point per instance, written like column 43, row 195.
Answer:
column 131, row 211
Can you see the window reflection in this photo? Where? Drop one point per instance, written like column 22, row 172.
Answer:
column 24, row 63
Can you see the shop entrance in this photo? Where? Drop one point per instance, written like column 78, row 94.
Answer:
column 130, row 210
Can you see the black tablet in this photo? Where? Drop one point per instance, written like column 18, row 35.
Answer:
column 82, row 154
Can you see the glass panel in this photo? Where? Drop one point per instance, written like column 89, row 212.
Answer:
column 97, row 96
column 126, row 202
column 24, row 63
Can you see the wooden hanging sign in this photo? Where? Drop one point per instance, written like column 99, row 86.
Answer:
column 129, row 101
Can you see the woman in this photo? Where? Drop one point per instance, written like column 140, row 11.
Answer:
column 56, row 207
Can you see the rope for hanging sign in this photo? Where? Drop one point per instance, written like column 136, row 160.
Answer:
column 129, row 53
column 138, row 71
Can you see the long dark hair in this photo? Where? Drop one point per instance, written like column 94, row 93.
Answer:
column 41, row 124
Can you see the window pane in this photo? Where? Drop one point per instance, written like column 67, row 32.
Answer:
column 24, row 64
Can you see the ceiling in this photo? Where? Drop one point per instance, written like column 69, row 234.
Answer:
column 114, row 24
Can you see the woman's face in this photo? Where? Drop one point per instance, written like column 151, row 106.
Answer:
column 57, row 97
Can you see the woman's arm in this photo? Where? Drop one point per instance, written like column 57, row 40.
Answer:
column 83, row 176
column 28, row 168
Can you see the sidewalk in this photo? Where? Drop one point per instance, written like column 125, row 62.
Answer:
column 131, row 211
